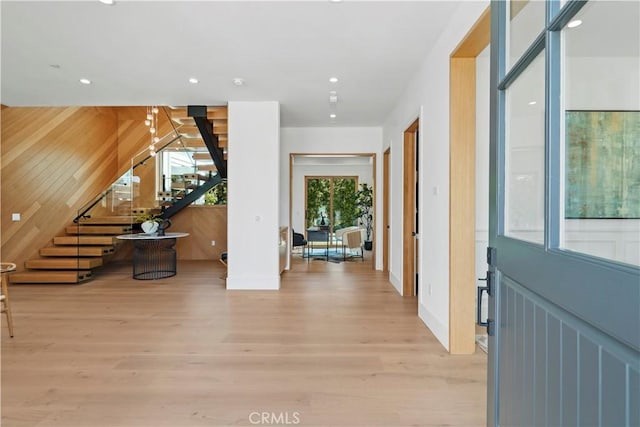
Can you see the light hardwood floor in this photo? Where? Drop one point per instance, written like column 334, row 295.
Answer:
column 336, row 346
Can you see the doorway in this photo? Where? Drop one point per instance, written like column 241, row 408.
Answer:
column 462, row 187
column 410, row 211
column 362, row 166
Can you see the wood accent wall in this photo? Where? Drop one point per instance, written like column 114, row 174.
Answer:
column 53, row 161
column 204, row 224
column 56, row 159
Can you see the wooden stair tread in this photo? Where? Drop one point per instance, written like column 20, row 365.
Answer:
column 98, row 229
column 52, row 277
column 213, row 113
column 108, row 220
column 201, row 156
column 63, row 263
column 207, row 168
column 76, row 251
column 84, row 240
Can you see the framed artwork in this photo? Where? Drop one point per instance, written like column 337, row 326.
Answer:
column 602, row 178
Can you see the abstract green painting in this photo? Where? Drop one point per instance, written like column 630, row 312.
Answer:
column 602, row 164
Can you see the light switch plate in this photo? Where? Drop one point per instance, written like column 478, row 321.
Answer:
column 15, row 217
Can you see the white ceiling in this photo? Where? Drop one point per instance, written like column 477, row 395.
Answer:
column 142, row 52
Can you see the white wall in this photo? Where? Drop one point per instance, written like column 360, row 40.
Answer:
column 332, row 140
column 427, row 97
column 253, row 208
column 604, row 84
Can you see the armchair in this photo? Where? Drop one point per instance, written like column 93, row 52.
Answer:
column 352, row 240
column 299, row 240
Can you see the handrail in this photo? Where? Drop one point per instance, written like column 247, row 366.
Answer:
column 96, row 200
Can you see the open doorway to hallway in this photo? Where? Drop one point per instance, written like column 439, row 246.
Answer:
column 323, row 206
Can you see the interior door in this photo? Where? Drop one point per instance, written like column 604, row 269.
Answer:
column 385, row 212
column 564, row 320
column 410, row 205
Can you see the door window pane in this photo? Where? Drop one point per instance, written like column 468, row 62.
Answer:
column 318, row 202
column 525, row 153
column 345, row 211
column 601, row 92
column 526, row 22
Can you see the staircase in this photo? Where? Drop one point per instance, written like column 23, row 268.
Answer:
column 89, row 242
column 71, row 258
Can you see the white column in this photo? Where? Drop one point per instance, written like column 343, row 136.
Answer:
column 253, row 195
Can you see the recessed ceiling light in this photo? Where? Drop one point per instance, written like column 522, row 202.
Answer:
column 56, row 66
column 574, row 23
column 333, row 80
column 335, row 1
column 193, row 80
column 333, row 116
column 532, row 103
column 238, row 81
column 85, row 81
column 109, row 2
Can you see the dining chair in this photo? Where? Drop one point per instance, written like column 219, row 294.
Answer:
column 5, row 268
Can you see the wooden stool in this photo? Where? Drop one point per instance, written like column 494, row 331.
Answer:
column 6, row 267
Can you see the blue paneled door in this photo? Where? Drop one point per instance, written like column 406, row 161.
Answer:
column 564, row 344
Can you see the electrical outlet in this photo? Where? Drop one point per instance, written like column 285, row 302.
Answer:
column 213, row 243
column 15, row 217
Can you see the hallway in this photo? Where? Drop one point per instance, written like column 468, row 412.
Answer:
column 336, row 346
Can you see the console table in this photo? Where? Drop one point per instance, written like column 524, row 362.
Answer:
column 154, row 256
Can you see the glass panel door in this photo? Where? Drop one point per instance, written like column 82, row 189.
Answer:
column 564, row 318
column 344, row 203
column 318, row 202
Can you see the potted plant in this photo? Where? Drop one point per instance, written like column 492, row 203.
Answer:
column 364, row 203
column 149, row 222
column 217, row 195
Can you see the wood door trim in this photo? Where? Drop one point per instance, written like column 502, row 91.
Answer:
column 462, row 180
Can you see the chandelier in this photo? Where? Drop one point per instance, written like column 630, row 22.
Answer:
column 152, row 123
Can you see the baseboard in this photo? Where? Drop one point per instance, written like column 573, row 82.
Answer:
column 395, row 282
column 254, row 283
column 437, row 328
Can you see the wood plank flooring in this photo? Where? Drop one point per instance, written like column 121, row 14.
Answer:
column 336, row 346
